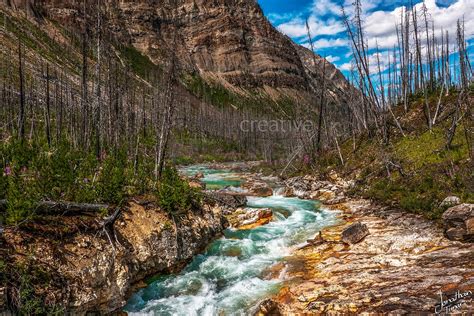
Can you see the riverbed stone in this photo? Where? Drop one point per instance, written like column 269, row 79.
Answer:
column 226, row 199
column 258, row 188
column 299, row 185
column 459, row 222
column 323, row 195
column 355, row 233
column 248, row 218
column 398, row 269
column 455, row 233
column 196, row 184
column 199, row 175
column 288, row 192
column 470, row 226
column 269, row 307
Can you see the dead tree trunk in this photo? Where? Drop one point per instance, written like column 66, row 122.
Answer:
column 22, row 118
column 166, row 122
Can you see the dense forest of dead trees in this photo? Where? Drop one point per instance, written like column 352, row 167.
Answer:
column 94, row 99
column 425, row 62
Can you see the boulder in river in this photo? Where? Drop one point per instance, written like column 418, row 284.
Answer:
column 298, row 185
column 227, row 200
column 257, row 188
column 288, row 192
column 459, row 222
column 323, row 195
column 355, row 233
column 199, row 175
column 248, row 218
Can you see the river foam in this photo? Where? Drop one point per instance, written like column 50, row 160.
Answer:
column 227, row 279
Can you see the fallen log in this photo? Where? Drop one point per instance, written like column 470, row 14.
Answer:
column 63, row 208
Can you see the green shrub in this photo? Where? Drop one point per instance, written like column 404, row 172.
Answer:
column 85, row 180
column 112, row 178
column 56, row 171
column 22, row 198
column 174, row 194
column 3, row 184
column 416, row 203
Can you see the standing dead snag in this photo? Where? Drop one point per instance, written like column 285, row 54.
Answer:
column 163, row 136
column 457, row 118
column 22, row 118
column 323, row 89
column 48, row 108
column 419, row 68
column 98, row 86
column 84, row 79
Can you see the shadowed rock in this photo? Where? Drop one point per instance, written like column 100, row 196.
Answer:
column 269, row 307
column 459, row 222
column 355, row 233
column 227, row 200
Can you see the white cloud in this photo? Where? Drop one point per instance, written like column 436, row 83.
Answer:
column 324, row 7
column 297, row 27
column 326, row 43
column 345, row 67
column 276, row 18
column 380, row 25
column 367, row 5
column 333, row 59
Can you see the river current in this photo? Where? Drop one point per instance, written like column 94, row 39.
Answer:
column 229, row 277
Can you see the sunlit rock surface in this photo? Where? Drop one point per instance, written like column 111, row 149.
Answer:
column 400, row 267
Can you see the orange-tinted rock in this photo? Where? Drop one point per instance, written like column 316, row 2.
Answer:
column 258, row 223
column 398, row 269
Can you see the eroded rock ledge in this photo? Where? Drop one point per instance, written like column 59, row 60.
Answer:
column 96, row 277
column 398, row 269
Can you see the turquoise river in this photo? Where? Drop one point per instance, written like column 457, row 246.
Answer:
column 228, row 278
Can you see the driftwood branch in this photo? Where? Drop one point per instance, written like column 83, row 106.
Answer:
column 61, row 208
column 108, row 227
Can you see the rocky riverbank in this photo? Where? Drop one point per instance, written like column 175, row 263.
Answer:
column 87, row 272
column 392, row 262
column 400, row 267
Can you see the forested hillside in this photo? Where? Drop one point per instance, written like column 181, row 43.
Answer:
column 97, row 95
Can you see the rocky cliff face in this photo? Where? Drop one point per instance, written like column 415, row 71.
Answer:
column 225, row 41
column 92, row 275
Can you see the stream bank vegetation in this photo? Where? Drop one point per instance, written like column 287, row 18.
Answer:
column 412, row 125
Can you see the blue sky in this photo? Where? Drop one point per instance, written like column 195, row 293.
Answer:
column 379, row 16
